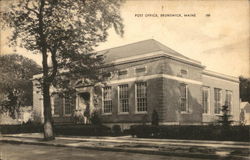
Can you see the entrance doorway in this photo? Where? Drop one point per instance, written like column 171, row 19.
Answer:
column 84, row 105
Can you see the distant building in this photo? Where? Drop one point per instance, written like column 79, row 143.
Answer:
column 147, row 76
column 245, row 110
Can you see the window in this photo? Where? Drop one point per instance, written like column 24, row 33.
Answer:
column 69, row 104
column 107, row 99
column 183, row 98
column 141, row 97
column 140, row 70
column 57, row 104
column 123, row 98
column 206, row 99
column 123, row 72
column 217, row 100
column 183, row 72
column 228, row 100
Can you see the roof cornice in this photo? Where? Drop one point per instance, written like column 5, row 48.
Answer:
column 152, row 55
column 221, row 76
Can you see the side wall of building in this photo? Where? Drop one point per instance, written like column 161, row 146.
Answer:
column 224, row 85
column 164, row 77
column 177, row 73
column 151, row 76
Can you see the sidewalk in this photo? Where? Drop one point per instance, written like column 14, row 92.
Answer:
column 184, row 148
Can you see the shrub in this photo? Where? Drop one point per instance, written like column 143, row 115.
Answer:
column 29, row 127
column 224, row 119
column 155, row 118
column 234, row 133
column 82, row 130
column 95, row 118
column 77, row 117
column 116, row 130
column 144, row 131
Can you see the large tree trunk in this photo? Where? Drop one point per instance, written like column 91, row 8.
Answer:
column 48, row 121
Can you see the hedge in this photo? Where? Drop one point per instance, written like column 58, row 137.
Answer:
column 82, row 130
column 21, row 128
column 66, row 129
column 232, row 133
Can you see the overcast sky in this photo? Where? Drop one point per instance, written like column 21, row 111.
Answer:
column 220, row 41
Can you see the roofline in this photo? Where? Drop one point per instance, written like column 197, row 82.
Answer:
column 142, row 57
column 220, row 75
column 155, row 54
column 122, row 45
column 155, row 41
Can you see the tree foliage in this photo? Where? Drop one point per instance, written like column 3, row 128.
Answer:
column 65, row 32
column 224, row 119
column 245, row 89
column 242, row 117
column 95, row 118
column 16, row 72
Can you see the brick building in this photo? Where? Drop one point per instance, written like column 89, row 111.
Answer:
column 147, row 76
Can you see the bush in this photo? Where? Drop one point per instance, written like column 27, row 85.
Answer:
column 234, row 133
column 155, row 118
column 116, row 130
column 224, row 119
column 77, row 117
column 95, row 118
column 144, row 131
column 29, row 127
column 82, row 130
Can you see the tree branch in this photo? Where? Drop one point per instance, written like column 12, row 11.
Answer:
column 54, row 63
column 29, row 9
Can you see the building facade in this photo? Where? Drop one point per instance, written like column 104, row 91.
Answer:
column 147, row 76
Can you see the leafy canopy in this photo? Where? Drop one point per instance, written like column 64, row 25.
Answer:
column 245, row 89
column 65, row 30
column 16, row 72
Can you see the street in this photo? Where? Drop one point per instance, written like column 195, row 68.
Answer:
column 31, row 152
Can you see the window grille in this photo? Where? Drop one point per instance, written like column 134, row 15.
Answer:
column 141, row 96
column 107, row 99
column 123, row 98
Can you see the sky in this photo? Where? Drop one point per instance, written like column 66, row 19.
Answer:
column 217, row 34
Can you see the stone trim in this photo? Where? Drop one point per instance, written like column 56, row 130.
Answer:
column 167, row 76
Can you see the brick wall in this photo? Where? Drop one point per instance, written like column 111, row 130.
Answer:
column 163, row 77
column 215, row 82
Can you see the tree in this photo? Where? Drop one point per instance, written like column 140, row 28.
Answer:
column 224, row 119
column 242, row 117
column 16, row 72
column 65, row 32
column 245, row 89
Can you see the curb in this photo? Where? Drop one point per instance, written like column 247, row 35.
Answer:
column 141, row 151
